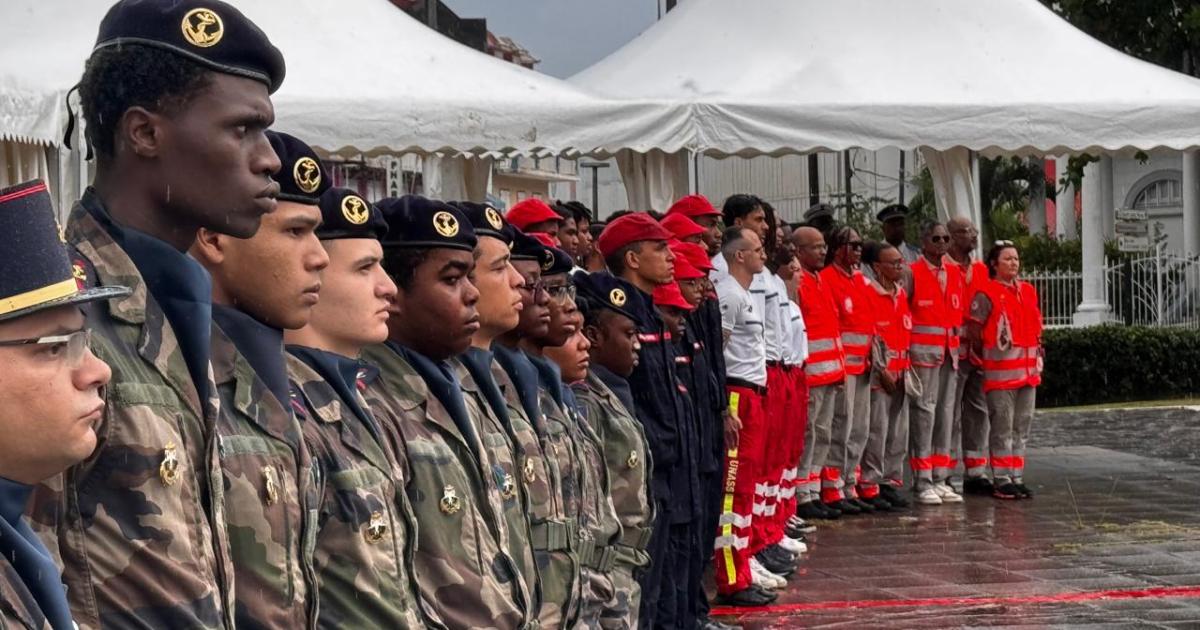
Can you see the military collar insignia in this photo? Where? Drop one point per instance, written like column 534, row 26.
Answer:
column 632, row 462
column 270, row 485
column 493, row 218
column 376, row 528
column 530, row 473
column 508, row 488
column 450, row 503
column 355, row 210
column 307, row 174
column 202, row 28
column 617, row 297
column 168, row 468
column 445, row 224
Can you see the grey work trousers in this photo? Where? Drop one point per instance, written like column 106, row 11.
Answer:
column 821, row 403
column 932, row 418
column 972, row 426
column 1011, row 415
column 887, row 447
column 851, row 425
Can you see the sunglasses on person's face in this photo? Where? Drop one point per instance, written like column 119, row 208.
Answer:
column 939, row 239
column 855, row 244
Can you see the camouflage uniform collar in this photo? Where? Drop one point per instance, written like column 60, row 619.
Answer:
column 442, row 379
column 523, row 375
column 611, row 383
column 29, row 557
column 259, row 344
column 479, row 363
column 313, row 368
column 550, row 378
column 406, row 386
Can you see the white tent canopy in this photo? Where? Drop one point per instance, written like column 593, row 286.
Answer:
column 784, row 76
column 363, row 77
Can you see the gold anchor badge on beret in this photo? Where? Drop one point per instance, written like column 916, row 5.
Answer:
column 493, row 218
column 202, row 28
column 549, row 260
column 376, row 528
column 508, row 489
column 530, row 473
column 168, row 469
column 271, row 483
column 307, row 174
column 617, row 297
column 355, row 210
column 445, row 224
column 450, row 502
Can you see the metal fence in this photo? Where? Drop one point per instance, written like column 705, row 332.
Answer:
column 1157, row 289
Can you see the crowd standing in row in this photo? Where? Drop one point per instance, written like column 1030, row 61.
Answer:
column 240, row 397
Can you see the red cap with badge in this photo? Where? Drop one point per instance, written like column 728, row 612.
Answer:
column 531, row 211
column 682, row 226
column 631, row 228
column 670, row 295
column 693, row 206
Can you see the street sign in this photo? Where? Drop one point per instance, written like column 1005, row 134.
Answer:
column 1127, row 243
column 1124, row 214
column 1133, row 228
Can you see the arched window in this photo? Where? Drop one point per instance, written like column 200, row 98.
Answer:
column 1160, row 193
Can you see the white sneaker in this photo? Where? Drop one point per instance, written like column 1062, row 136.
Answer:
column 760, row 576
column 946, row 493
column 929, row 496
column 793, row 546
column 801, row 525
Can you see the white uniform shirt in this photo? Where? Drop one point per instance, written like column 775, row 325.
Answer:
column 766, row 296
column 799, row 335
column 745, row 352
column 720, row 268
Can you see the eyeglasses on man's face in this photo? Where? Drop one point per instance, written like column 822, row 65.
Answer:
column 68, row 348
column 561, row 293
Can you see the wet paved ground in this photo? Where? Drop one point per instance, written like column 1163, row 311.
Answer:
column 1112, row 540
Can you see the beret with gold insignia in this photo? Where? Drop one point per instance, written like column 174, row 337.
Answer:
column 419, row 222
column 605, row 290
column 556, row 261
column 209, row 32
column 526, row 247
column 301, row 177
column 486, row 220
column 344, row 214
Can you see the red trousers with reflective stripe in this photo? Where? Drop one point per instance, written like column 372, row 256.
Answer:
column 792, row 438
column 741, row 471
column 778, row 457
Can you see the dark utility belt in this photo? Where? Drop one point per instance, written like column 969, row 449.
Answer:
column 737, row 382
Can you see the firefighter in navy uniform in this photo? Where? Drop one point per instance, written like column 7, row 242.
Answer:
column 635, row 249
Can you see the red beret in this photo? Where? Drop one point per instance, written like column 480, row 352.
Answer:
column 684, row 270
column 630, row 228
column 530, row 211
column 670, row 295
column 694, row 254
column 694, row 206
column 681, row 226
column 545, row 239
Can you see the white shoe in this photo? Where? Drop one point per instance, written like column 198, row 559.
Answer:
column 801, row 525
column 760, row 576
column 946, row 493
column 793, row 546
column 929, row 496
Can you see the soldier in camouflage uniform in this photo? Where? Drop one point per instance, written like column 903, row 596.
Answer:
column 556, row 523
column 606, row 400
column 463, row 566
column 50, row 395
column 363, row 556
column 518, row 464
column 271, row 490
column 139, row 525
column 570, row 443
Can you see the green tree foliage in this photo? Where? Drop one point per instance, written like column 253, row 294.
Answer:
column 1163, row 32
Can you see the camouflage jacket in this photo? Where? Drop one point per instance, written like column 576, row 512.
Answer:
column 18, row 608
column 132, row 526
column 363, row 554
column 628, row 463
column 270, row 497
column 506, row 475
column 462, row 565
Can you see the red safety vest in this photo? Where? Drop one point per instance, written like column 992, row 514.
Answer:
column 975, row 279
column 826, row 360
column 893, row 324
column 852, row 297
column 1012, row 355
column 937, row 316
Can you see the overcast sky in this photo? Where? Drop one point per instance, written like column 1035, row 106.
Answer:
column 567, row 35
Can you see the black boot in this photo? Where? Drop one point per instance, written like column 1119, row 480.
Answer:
column 747, row 597
column 1024, row 491
column 844, row 507
column 809, row 511
column 981, row 486
column 879, row 503
column 778, row 562
column 893, row 496
column 863, row 506
column 1006, row 490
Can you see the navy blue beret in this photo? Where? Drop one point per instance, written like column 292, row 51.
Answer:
column 486, row 220
column 556, row 261
column 301, row 177
column 211, row 33
column 526, row 247
column 420, row 222
column 606, row 290
column 344, row 214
